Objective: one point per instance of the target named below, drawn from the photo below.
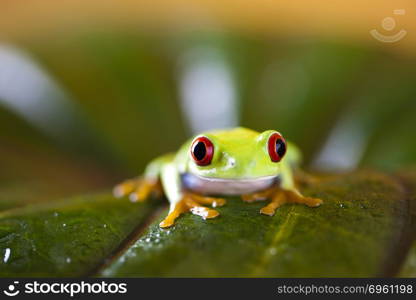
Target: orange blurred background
(20, 20)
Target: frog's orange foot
(280, 197)
(193, 203)
(296, 197)
(263, 195)
(214, 202)
(138, 189)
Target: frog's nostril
(229, 161)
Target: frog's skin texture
(240, 164)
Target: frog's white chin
(221, 186)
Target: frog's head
(241, 156)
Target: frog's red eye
(276, 147)
(202, 151)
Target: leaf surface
(353, 233)
(66, 238)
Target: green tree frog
(239, 161)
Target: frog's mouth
(221, 186)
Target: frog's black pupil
(280, 147)
(200, 151)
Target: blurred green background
(83, 106)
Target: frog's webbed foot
(138, 189)
(296, 197)
(193, 203)
(214, 202)
(280, 197)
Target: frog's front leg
(287, 192)
(192, 203)
(294, 196)
(278, 199)
(281, 196)
(203, 200)
(182, 201)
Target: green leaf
(66, 238)
(352, 234)
(408, 269)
